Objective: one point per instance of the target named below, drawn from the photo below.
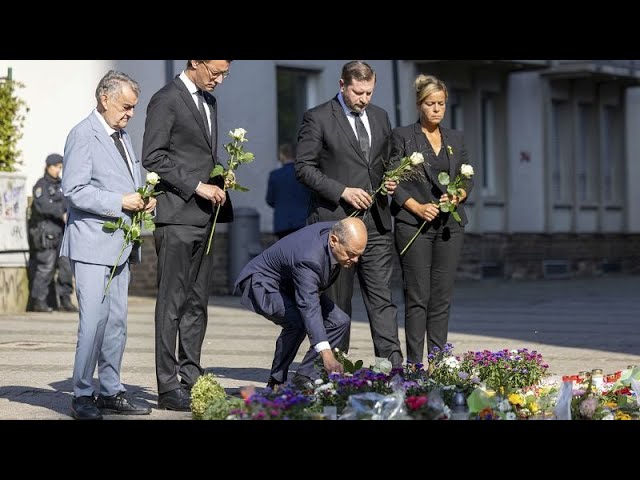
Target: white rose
(153, 178)
(416, 158)
(238, 134)
(466, 170)
(451, 362)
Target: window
(456, 113)
(612, 161)
(295, 90)
(560, 152)
(488, 145)
(586, 154)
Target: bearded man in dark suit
(343, 152)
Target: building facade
(552, 142)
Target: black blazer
(409, 139)
(298, 266)
(329, 159)
(177, 146)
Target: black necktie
(363, 136)
(202, 112)
(120, 147)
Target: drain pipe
(396, 91)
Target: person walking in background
(285, 283)
(180, 144)
(101, 175)
(46, 225)
(343, 149)
(286, 195)
(429, 265)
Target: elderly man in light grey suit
(101, 175)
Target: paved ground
(577, 324)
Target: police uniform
(46, 227)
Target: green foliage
(219, 408)
(12, 116)
(206, 391)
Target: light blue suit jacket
(94, 179)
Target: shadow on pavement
(59, 399)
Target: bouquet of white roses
(404, 171)
(133, 231)
(237, 156)
(453, 188)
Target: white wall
(632, 204)
(150, 75)
(59, 93)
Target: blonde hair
(425, 85)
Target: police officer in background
(46, 226)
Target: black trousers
(43, 265)
(428, 274)
(374, 270)
(184, 273)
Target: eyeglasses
(215, 75)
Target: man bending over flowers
(285, 284)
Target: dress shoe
(66, 305)
(121, 404)
(40, 306)
(274, 385)
(177, 400)
(302, 382)
(84, 408)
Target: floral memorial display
(482, 385)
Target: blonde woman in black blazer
(429, 265)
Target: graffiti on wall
(13, 212)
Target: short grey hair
(340, 230)
(111, 85)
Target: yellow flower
(620, 415)
(516, 399)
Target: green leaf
(246, 157)
(348, 365)
(452, 190)
(110, 226)
(358, 365)
(445, 207)
(443, 178)
(456, 215)
(217, 170)
(239, 188)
